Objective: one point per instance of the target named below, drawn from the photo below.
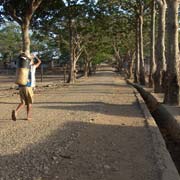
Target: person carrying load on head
(25, 78)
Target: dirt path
(93, 130)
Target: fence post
(42, 71)
(65, 68)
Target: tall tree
(116, 26)
(75, 10)
(21, 12)
(152, 56)
(141, 51)
(160, 47)
(172, 91)
(138, 8)
(137, 60)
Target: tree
(137, 61)
(75, 10)
(160, 47)
(21, 12)
(91, 44)
(172, 90)
(141, 51)
(64, 25)
(138, 8)
(117, 27)
(152, 56)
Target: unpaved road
(93, 130)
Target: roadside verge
(165, 163)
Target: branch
(13, 14)
(32, 8)
(164, 1)
(79, 53)
(116, 49)
(158, 1)
(88, 59)
(161, 2)
(35, 4)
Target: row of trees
(164, 76)
(60, 28)
(90, 31)
(164, 59)
(156, 24)
(155, 33)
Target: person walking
(26, 91)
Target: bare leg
(20, 106)
(29, 107)
(14, 112)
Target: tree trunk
(24, 22)
(75, 68)
(152, 56)
(141, 53)
(136, 71)
(86, 68)
(25, 36)
(71, 77)
(130, 65)
(172, 88)
(89, 68)
(118, 58)
(86, 63)
(160, 49)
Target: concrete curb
(165, 163)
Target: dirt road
(92, 130)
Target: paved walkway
(92, 130)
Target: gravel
(92, 130)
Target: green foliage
(99, 26)
(101, 57)
(10, 40)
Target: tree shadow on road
(129, 110)
(101, 85)
(106, 152)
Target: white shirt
(31, 77)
